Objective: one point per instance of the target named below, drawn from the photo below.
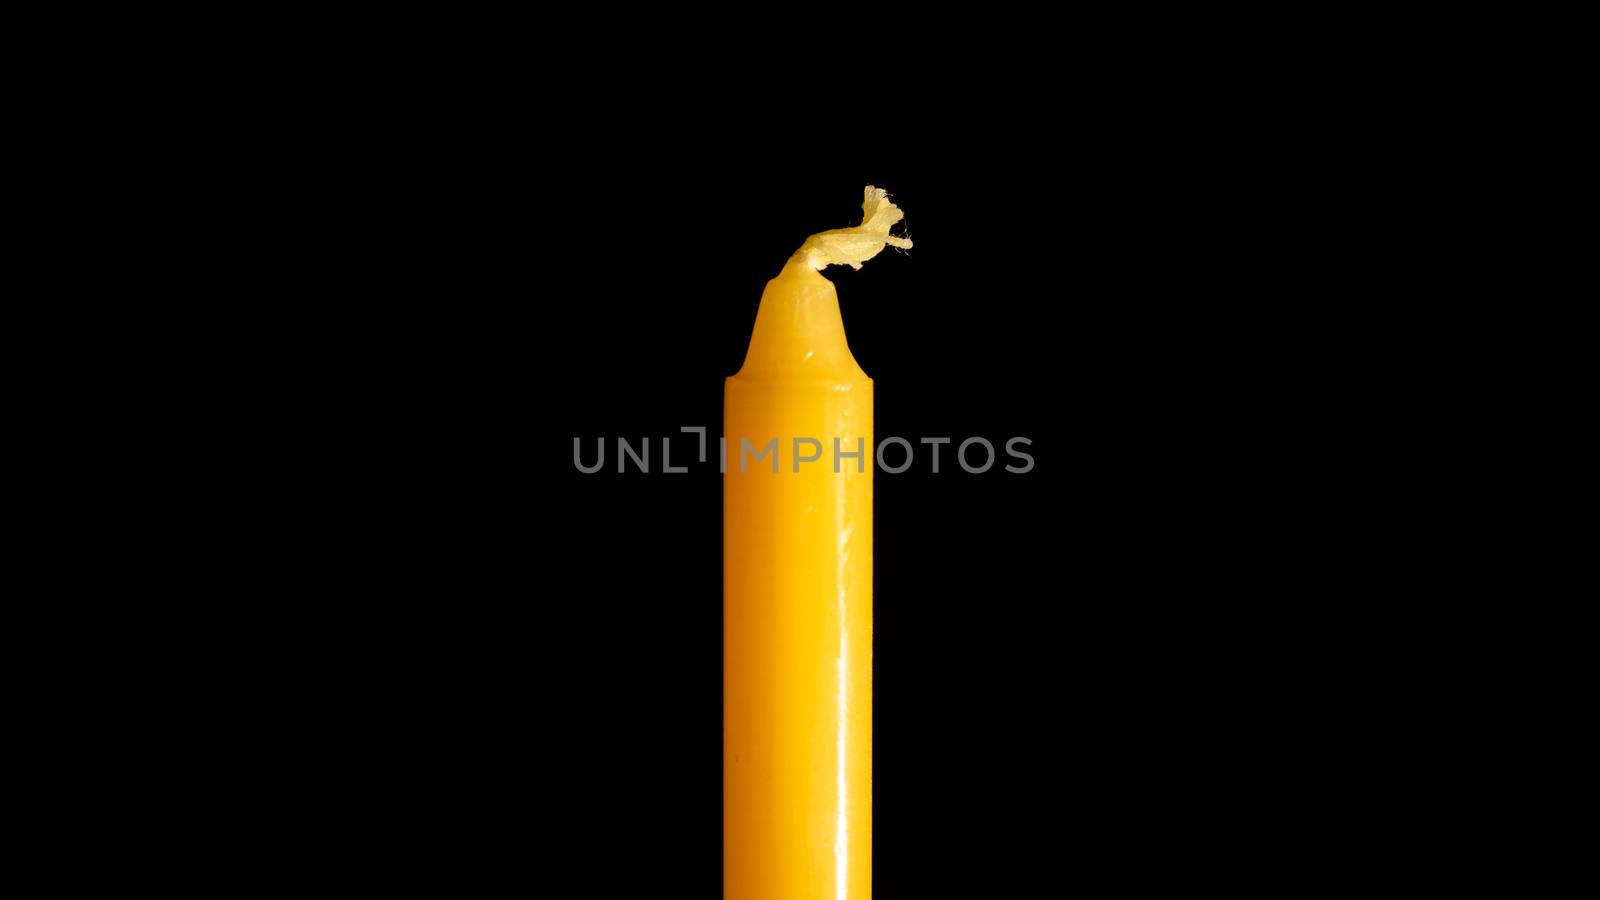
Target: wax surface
(797, 720)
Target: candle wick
(854, 246)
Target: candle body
(797, 655)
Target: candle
(797, 573)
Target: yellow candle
(797, 573)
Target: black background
(364, 287)
(338, 297)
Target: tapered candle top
(799, 334)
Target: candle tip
(854, 246)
